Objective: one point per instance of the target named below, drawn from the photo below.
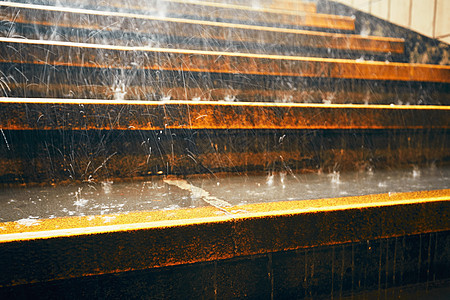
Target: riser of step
(216, 11)
(37, 68)
(123, 155)
(117, 85)
(78, 25)
(59, 114)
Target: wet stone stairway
(56, 57)
(97, 54)
(164, 93)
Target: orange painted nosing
(12, 100)
(58, 227)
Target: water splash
(416, 172)
(335, 177)
(30, 221)
(329, 98)
(108, 219)
(229, 98)
(166, 97)
(282, 179)
(107, 187)
(269, 179)
(382, 184)
(119, 91)
(79, 202)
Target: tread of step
(63, 53)
(184, 33)
(189, 74)
(216, 11)
(117, 140)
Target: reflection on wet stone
(29, 204)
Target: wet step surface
(26, 206)
(48, 140)
(77, 70)
(218, 12)
(115, 28)
(263, 224)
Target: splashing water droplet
(269, 179)
(107, 186)
(416, 172)
(335, 177)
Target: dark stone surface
(140, 39)
(257, 255)
(358, 268)
(44, 260)
(397, 267)
(200, 12)
(59, 156)
(418, 48)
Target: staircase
(116, 51)
(69, 67)
(95, 92)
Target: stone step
(115, 28)
(76, 70)
(66, 114)
(216, 12)
(60, 140)
(204, 253)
